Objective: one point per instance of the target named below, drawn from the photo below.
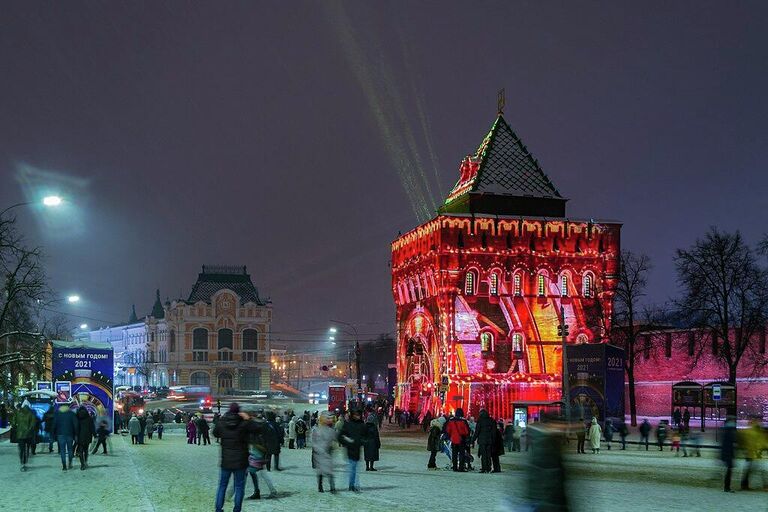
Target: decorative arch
(200, 378)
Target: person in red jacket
(457, 430)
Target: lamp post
(562, 330)
(357, 356)
(49, 201)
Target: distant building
(218, 337)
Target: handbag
(13, 435)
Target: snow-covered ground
(170, 475)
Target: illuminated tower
(478, 289)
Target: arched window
(493, 283)
(540, 286)
(587, 285)
(200, 379)
(564, 285)
(517, 342)
(470, 279)
(200, 344)
(486, 341)
(518, 284)
(225, 344)
(172, 340)
(250, 345)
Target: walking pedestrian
(623, 433)
(645, 434)
(728, 450)
(257, 459)
(661, 434)
(233, 429)
(85, 432)
(143, 428)
(203, 431)
(134, 428)
(595, 433)
(292, 433)
(323, 444)
(65, 429)
(352, 436)
(273, 437)
(301, 433)
(608, 432)
(48, 427)
(160, 428)
(150, 426)
(498, 447)
(372, 442)
(581, 435)
(686, 418)
(517, 434)
(677, 418)
(23, 429)
(753, 441)
(101, 437)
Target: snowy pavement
(170, 475)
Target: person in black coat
(234, 430)
(352, 436)
(273, 438)
(202, 431)
(143, 426)
(85, 433)
(485, 436)
(728, 451)
(498, 447)
(372, 442)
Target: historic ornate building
(479, 288)
(217, 337)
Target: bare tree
(24, 292)
(724, 294)
(628, 322)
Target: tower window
(587, 292)
(486, 342)
(518, 285)
(517, 342)
(564, 285)
(469, 283)
(540, 285)
(494, 284)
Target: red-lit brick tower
(478, 289)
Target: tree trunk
(632, 398)
(732, 380)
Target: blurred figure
(595, 435)
(372, 442)
(623, 433)
(85, 433)
(101, 437)
(676, 418)
(65, 430)
(645, 434)
(191, 431)
(727, 450)
(458, 432)
(273, 437)
(323, 444)
(545, 472)
(352, 436)
(608, 432)
(686, 418)
(160, 429)
(484, 435)
(134, 427)
(661, 434)
(581, 435)
(150, 426)
(498, 447)
(753, 442)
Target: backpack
(300, 428)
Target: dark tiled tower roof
(218, 277)
(503, 177)
(157, 309)
(133, 318)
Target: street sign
(716, 392)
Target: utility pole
(562, 331)
(357, 367)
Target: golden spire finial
(501, 101)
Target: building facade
(479, 289)
(218, 337)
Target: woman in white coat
(292, 433)
(595, 433)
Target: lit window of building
(540, 285)
(494, 284)
(469, 283)
(518, 284)
(486, 341)
(564, 285)
(587, 285)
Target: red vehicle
(337, 397)
(131, 402)
(200, 394)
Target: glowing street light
(332, 330)
(83, 326)
(73, 299)
(52, 200)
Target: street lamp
(357, 354)
(49, 201)
(73, 299)
(83, 326)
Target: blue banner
(90, 373)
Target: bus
(129, 402)
(200, 394)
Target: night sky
(298, 138)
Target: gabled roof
(219, 277)
(503, 166)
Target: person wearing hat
(353, 436)
(323, 444)
(65, 430)
(234, 430)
